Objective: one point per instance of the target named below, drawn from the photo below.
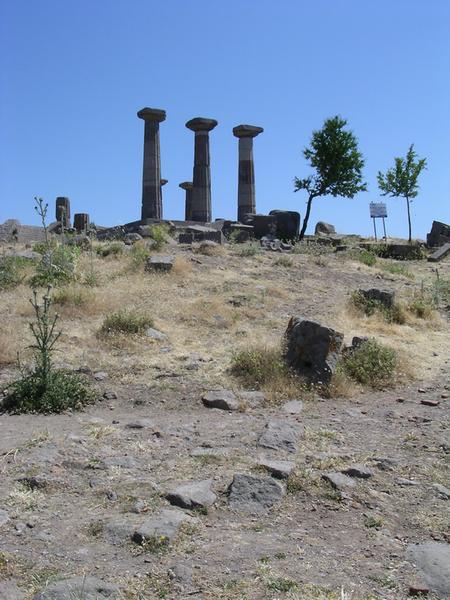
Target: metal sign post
(378, 210)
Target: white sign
(378, 210)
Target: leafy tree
(337, 162)
(401, 180)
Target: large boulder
(312, 349)
(287, 224)
(439, 235)
(263, 225)
(323, 228)
(432, 559)
(252, 493)
(194, 494)
(385, 298)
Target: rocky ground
(153, 492)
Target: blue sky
(74, 73)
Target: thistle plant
(44, 333)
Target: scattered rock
(180, 573)
(323, 228)
(279, 435)
(88, 588)
(100, 376)
(405, 482)
(163, 527)
(432, 559)
(442, 490)
(338, 480)
(252, 493)
(293, 407)
(281, 469)
(195, 494)
(160, 263)
(154, 334)
(418, 589)
(223, 399)
(139, 424)
(358, 471)
(312, 349)
(427, 402)
(125, 462)
(385, 464)
(384, 297)
(110, 395)
(252, 399)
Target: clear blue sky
(73, 73)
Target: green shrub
(139, 254)
(397, 269)
(367, 258)
(61, 390)
(159, 235)
(258, 366)
(247, 249)
(370, 364)
(422, 307)
(57, 267)
(113, 249)
(11, 271)
(71, 297)
(125, 322)
(369, 306)
(46, 389)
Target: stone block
(439, 235)
(160, 263)
(323, 228)
(287, 224)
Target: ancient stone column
(163, 183)
(63, 211)
(246, 177)
(201, 183)
(151, 175)
(81, 222)
(187, 185)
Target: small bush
(11, 271)
(57, 267)
(367, 258)
(159, 235)
(114, 249)
(371, 364)
(284, 261)
(71, 297)
(257, 366)
(397, 269)
(312, 248)
(422, 307)
(248, 249)
(139, 254)
(61, 390)
(369, 306)
(125, 322)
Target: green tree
(338, 165)
(401, 180)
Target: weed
(371, 364)
(156, 544)
(422, 307)
(125, 322)
(159, 235)
(370, 306)
(366, 258)
(57, 267)
(114, 249)
(397, 269)
(11, 271)
(248, 249)
(283, 261)
(95, 528)
(70, 296)
(373, 522)
(259, 365)
(139, 254)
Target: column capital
(251, 131)
(201, 124)
(156, 115)
(186, 185)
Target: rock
(4, 517)
(252, 399)
(160, 263)
(338, 480)
(252, 493)
(100, 376)
(312, 349)
(10, 591)
(154, 334)
(383, 297)
(180, 573)
(293, 407)
(131, 238)
(139, 424)
(428, 402)
(110, 395)
(281, 469)
(385, 464)
(162, 527)
(279, 435)
(125, 462)
(432, 559)
(87, 588)
(442, 490)
(439, 235)
(358, 471)
(194, 494)
(440, 253)
(287, 223)
(117, 530)
(223, 399)
(323, 228)
(138, 506)
(405, 482)
(37, 482)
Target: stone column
(187, 185)
(201, 183)
(246, 178)
(151, 176)
(163, 183)
(81, 222)
(62, 212)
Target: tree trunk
(409, 220)
(306, 219)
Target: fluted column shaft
(246, 171)
(151, 172)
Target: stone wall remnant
(201, 181)
(246, 172)
(151, 174)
